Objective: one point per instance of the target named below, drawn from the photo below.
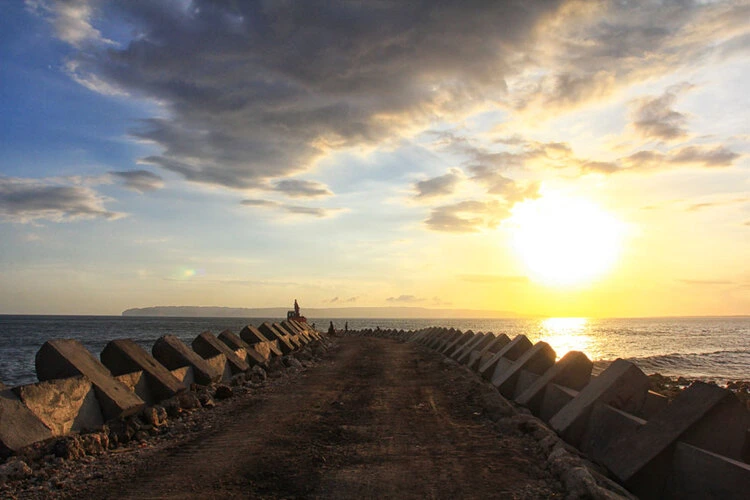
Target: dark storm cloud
(259, 90)
(140, 180)
(27, 200)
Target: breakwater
(132, 390)
(693, 446)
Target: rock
(189, 400)
(155, 416)
(223, 392)
(206, 400)
(258, 374)
(94, 443)
(238, 380)
(141, 436)
(15, 469)
(68, 448)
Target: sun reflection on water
(567, 334)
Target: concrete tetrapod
(64, 405)
(475, 358)
(208, 346)
(459, 351)
(173, 353)
(537, 360)
(465, 355)
(19, 427)
(63, 358)
(123, 356)
(573, 370)
(450, 347)
(511, 351)
(622, 385)
(296, 340)
(702, 415)
(252, 336)
(257, 354)
(285, 343)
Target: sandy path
(380, 419)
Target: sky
(550, 158)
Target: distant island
(337, 312)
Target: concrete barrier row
(77, 392)
(695, 446)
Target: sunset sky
(553, 158)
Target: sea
(703, 348)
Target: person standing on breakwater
(346, 327)
(331, 329)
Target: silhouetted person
(296, 309)
(346, 327)
(331, 329)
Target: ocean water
(708, 348)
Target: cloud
(256, 91)
(654, 118)
(405, 298)
(71, 20)
(26, 200)
(438, 186)
(493, 279)
(468, 216)
(333, 300)
(140, 180)
(352, 299)
(292, 209)
(302, 189)
(700, 206)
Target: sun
(565, 241)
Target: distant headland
(336, 312)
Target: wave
(733, 364)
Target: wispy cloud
(292, 209)
(405, 298)
(468, 216)
(705, 282)
(140, 180)
(438, 186)
(26, 200)
(654, 118)
(296, 188)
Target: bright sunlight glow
(565, 241)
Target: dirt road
(378, 419)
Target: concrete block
(477, 357)
(208, 346)
(253, 355)
(480, 344)
(460, 350)
(537, 360)
(525, 380)
(292, 330)
(554, 399)
(572, 370)
(294, 338)
(622, 385)
(173, 353)
(605, 426)
(456, 344)
(220, 364)
(448, 337)
(138, 383)
(698, 473)
(252, 336)
(654, 403)
(702, 415)
(184, 375)
(64, 358)
(511, 351)
(19, 426)
(285, 343)
(125, 356)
